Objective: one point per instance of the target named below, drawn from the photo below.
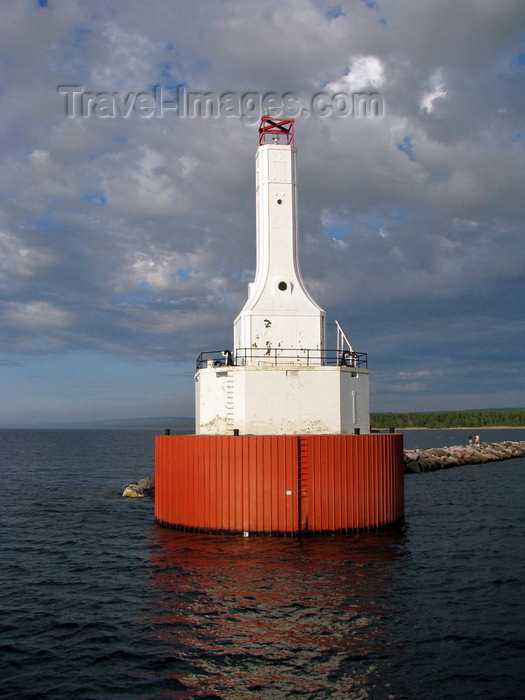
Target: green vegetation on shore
(450, 419)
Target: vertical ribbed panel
(356, 482)
(227, 483)
(279, 484)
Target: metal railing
(303, 357)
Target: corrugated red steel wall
(226, 483)
(354, 482)
(279, 484)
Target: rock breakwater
(426, 460)
(143, 487)
(416, 460)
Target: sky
(127, 224)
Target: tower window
(282, 286)
(279, 201)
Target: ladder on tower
(230, 404)
(303, 475)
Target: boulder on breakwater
(143, 487)
(426, 460)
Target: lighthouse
(281, 378)
(282, 442)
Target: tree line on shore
(449, 419)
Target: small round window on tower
(279, 201)
(282, 286)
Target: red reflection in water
(263, 617)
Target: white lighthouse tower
(283, 443)
(281, 379)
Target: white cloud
(124, 59)
(37, 315)
(39, 157)
(145, 186)
(18, 260)
(365, 73)
(435, 91)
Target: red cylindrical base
(279, 485)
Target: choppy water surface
(97, 601)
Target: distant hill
(178, 425)
(160, 423)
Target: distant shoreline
(176, 430)
(484, 427)
(187, 425)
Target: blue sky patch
(131, 299)
(184, 274)
(44, 223)
(97, 199)
(339, 231)
(406, 147)
(334, 12)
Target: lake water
(97, 601)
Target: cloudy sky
(127, 229)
